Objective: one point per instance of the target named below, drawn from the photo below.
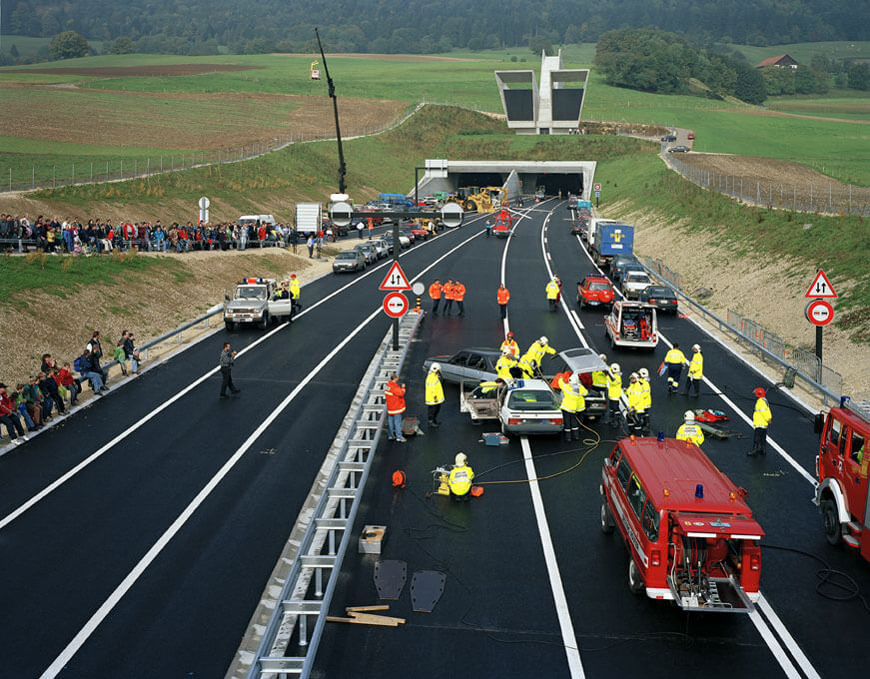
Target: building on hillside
(780, 61)
(551, 107)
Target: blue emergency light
(699, 491)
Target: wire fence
(57, 175)
(827, 198)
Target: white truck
(309, 218)
(252, 303)
(632, 325)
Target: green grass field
(839, 149)
(845, 104)
(803, 52)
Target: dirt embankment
(140, 71)
(755, 287)
(150, 303)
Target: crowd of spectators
(57, 386)
(99, 236)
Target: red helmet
(399, 479)
(510, 334)
(759, 392)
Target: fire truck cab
(689, 532)
(843, 493)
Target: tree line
(421, 26)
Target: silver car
(469, 365)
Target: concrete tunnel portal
(519, 177)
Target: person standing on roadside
(435, 291)
(395, 395)
(434, 393)
(459, 297)
(448, 296)
(96, 350)
(227, 360)
(310, 244)
(761, 418)
(696, 371)
(294, 239)
(295, 296)
(503, 296)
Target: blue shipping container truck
(395, 199)
(615, 239)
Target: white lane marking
(774, 646)
(569, 640)
(756, 617)
(577, 319)
(57, 483)
(575, 324)
(786, 636)
(507, 244)
(103, 611)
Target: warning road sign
(395, 279)
(821, 287)
(395, 305)
(819, 312)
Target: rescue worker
(573, 405)
(435, 295)
(434, 393)
(459, 297)
(761, 418)
(674, 360)
(503, 296)
(505, 365)
(460, 478)
(540, 348)
(447, 291)
(295, 295)
(395, 395)
(643, 381)
(525, 368)
(614, 395)
(510, 344)
(696, 371)
(636, 403)
(599, 377)
(690, 430)
(552, 291)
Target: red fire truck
(843, 493)
(504, 222)
(689, 532)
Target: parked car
(381, 248)
(669, 138)
(469, 365)
(678, 149)
(387, 243)
(690, 136)
(368, 251)
(349, 260)
(619, 261)
(632, 325)
(624, 267)
(407, 233)
(420, 233)
(661, 297)
(635, 282)
(594, 291)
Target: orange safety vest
(459, 292)
(435, 290)
(563, 376)
(503, 295)
(448, 290)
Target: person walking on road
(295, 296)
(435, 291)
(761, 418)
(448, 296)
(674, 361)
(434, 393)
(552, 291)
(395, 395)
(690, 430)
(696, 371)
(488, 227)
(228, 357)
(503, 296)
(459, 297)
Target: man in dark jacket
(48, 386)
(226, 363)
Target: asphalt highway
(137, 537)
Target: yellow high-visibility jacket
(762, 416)
(434, 390)
(636, 397)
(459, 479)
(675, 356)
(552, 290)
(614, 387)
(690, 432)
(647, 393)
(503, 367)
(696, 366)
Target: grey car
(381, 248)
(368, 251)
(469, 365)
(349, 260)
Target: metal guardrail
(827, 382)
(357, 442)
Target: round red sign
(819, 312)
(395, 305)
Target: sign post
(203, 209)
(395, 303)
(597, 189)
(819, 312)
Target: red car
(420, 233)
(690, 136)
(594, 291)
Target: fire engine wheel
(606, 519)
(833, 530)
(635, 582)
(264, 323)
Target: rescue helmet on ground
(435, 368)
(615, 369)
(644, 373)
(696, 347)
(689, 416)
(543, 340)
(461, 459)
(759, 392)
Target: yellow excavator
(486, 199)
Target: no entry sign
(819, 312)
(395, 305)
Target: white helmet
(575, 381)
(633, 377)
(543, 340)
(603, 357)
(461, 459)
(615, 369)
(435, 367)
(696, 347)
(689, 416)
(644, 373)
(507, 352)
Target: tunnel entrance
(557, 182)
(479, 179)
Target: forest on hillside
(417, 26)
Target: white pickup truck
(252, 303)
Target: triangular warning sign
(821, 287)
(395, 279)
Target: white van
(265, 220)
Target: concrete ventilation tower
(554, 107)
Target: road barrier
(322, 534)
(807, 367)
(809, 197)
